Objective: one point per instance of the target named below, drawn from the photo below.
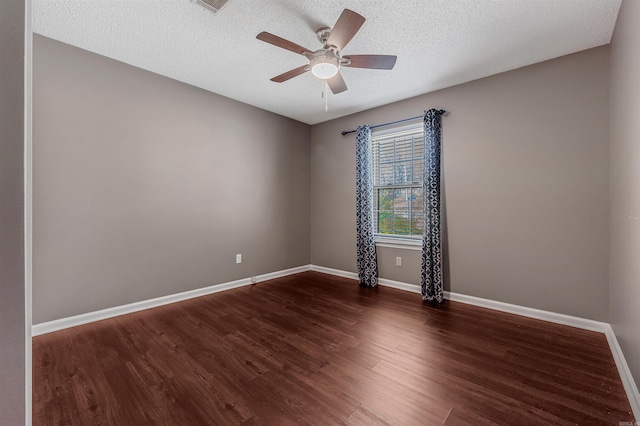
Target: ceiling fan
(325, 63)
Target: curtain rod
(344, 132)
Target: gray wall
(526, 182)
(144, 186)
(625, 184)
(12, 283)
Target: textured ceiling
(439, 43)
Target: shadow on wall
(444, 237)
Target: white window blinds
(398, 161)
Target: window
(398, 161)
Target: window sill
(398, 243)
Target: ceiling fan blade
(377, 62)
(345, 28)
(290, 74)
(280, 42)
(337, 84)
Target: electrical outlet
(238, 258)
(398, 261)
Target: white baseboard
(625, 374)
(525, 311)
(283, 273)
(412, 288)
(354, 276)
(623, 369)
(55, 325)
(336, 272)
(554, 317)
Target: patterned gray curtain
(431, 274)
(367, 263)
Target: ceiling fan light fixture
(324, 70)
(325, 65)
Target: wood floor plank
(393, 400)
(461, 418)
(312, 348)
(363, 416)
(517, 376)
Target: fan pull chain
(326, 98)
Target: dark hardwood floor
(315, 349)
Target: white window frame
(391, 240)
(407, 243)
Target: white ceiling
(439, 43)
